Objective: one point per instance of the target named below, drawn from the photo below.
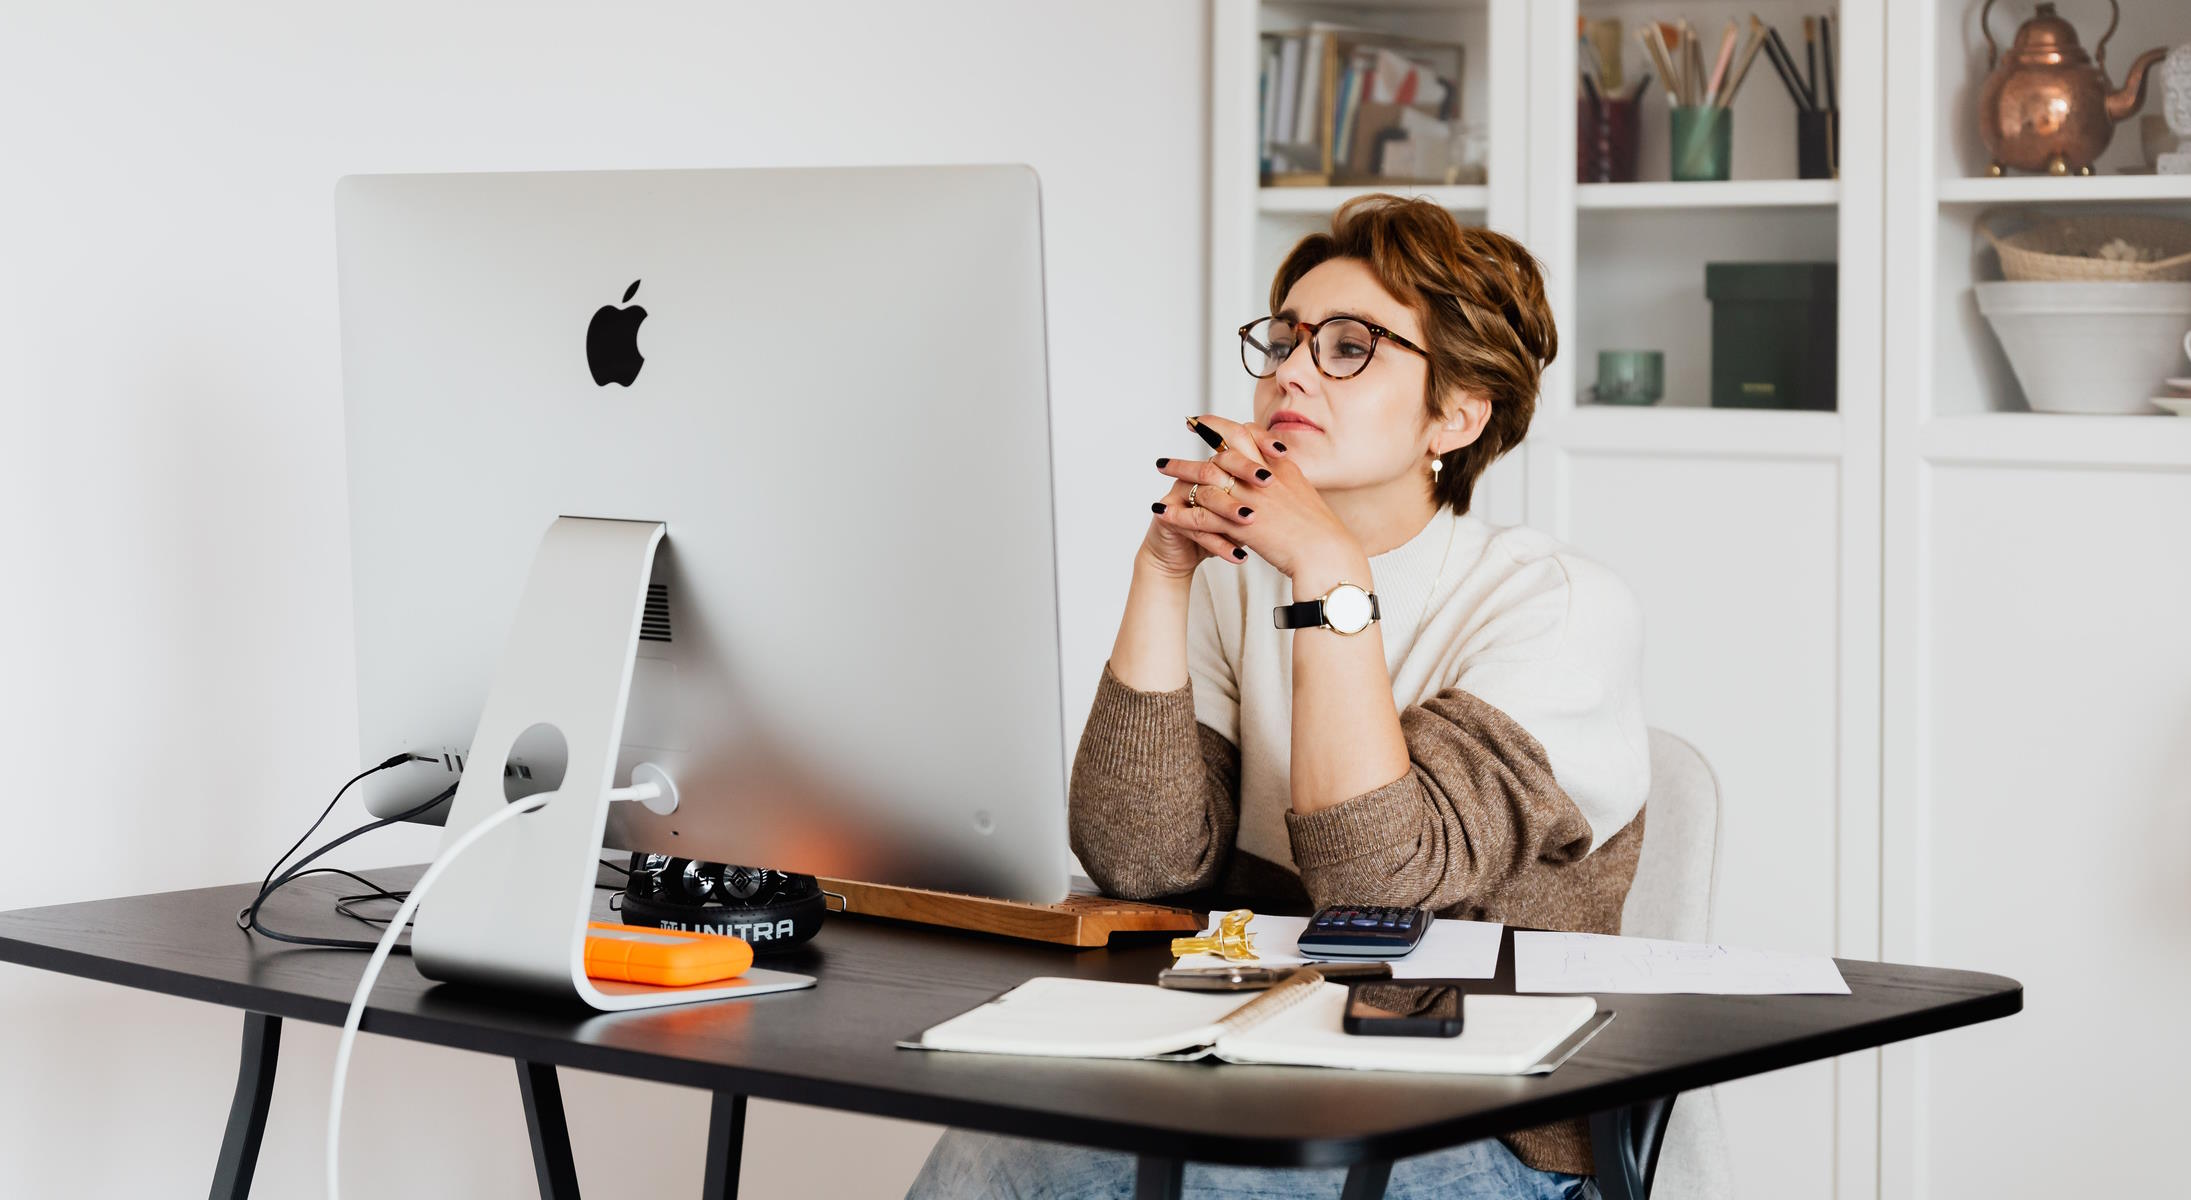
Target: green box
(1773, 334)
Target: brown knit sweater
(1477, 828)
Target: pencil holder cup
(1630, 377)
(1817, 143)
(1703, 142)
(1607, 133)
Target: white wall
(174, 629)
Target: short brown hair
(1486, 322)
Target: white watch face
(1346, 608)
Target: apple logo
(612, 342)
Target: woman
(1477, 747)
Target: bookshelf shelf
(2057, 440)
(1464, 198)
(2067, 189)
(1696, 431)
(1737, 193)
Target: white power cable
(380, 955)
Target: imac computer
(718, 505)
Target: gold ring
(1227, 485)
(1190, 495)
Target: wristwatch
(1344, 609)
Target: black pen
(1784, 64)
(1810, 58)
(1208, 433)
(1825, 54)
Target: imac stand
(511, 913)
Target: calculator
(1364, 931)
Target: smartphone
(1403, 1010)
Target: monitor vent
(654, 623)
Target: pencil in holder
(1818, 143)
(1702, 145)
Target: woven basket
(2064, 248)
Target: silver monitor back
(840, 410)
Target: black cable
(248, 917)
(395, 760)
(343, 903)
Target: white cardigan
(1509, 615)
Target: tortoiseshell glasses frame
(1256, 344)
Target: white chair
(1676, 876)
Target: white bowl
(2089, 347)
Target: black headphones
(772, 911)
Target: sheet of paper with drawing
(1451, 950)
(1595, 962)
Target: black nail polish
(1279, 447)
(1239, 551)
(1160, 463)
(1262, 473)
(1157, 507)
(1247, 512)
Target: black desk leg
(247, 1112)
(726, 1146)
(1625, 1143)
(551, 1134)
(1158, 1178)
(1366, 1181)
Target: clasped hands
(1271, 507)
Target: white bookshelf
(1906, 633)
(1645, 487)
(2047, 540)
(1940, 187)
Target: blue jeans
(966, 1165)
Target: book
(1289, 86)
(1269, 98)
(1309, 120)
(1296, 1023)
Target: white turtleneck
(1507, 614)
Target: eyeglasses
(1347, 341)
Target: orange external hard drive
(663, 957)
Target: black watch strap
(1308, 614)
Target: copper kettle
(2046, 106)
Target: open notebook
(1295, 1023)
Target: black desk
(830, 1046)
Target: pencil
(1784, 63)
(1719, 65)
(1810, 58)
(1669, 36)
(1655, 47)
(1825, 54)
(1742, 66)
(1695, 69)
